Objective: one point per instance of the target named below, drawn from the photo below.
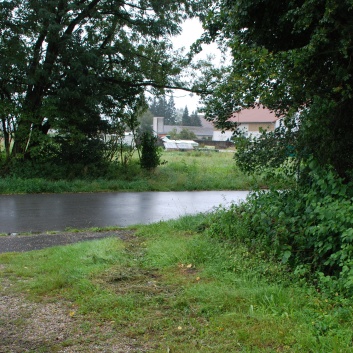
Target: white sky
(192, 30)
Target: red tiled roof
(254, 115)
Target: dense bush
(150, 152)
(63, 157)
(309, 228)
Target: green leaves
(271, 151)
(78, 66)
(150, 153)
(308, 228)
(291, 57)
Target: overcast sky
(192, 30)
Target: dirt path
(47, 326)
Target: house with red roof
(249, 121)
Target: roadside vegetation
(304, 77)
(180, 286)
(195, 170)
(273, 274)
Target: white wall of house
(227, 135)
(222, 136)
(128, 139)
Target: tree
(290, 56)
(165, 108)
(80, 67)
(150, 154)
(146, 121)
(185, 120)
(160, 107)
(190, 120)
(186, 134)
(170, 114)
(195, 119)
(173, 134)
(153, 106)
(12, 70)
(179, 115)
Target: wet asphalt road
(57, 212)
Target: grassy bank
(173, 288)
(182, 171)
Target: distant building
(204, 132)
(249, 122)
(158, 125)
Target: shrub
(150, 153)
(309, 227)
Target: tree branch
(80, 17)
(154, 84)
(110, 34)
(138, 7)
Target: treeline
(165, 107)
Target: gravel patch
(21, 243)
(27, 326)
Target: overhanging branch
(154, 84)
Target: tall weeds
(309, 228)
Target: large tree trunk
(6, 137)
(25, 136)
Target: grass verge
(183, 171)
(172, 288)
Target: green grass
(183, 171)
(173, 288)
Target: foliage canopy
(74, 69)
(293, 57)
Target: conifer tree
(186, 118)
(165, 108)
(195, 119)
(170, 114)
(161, 107)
